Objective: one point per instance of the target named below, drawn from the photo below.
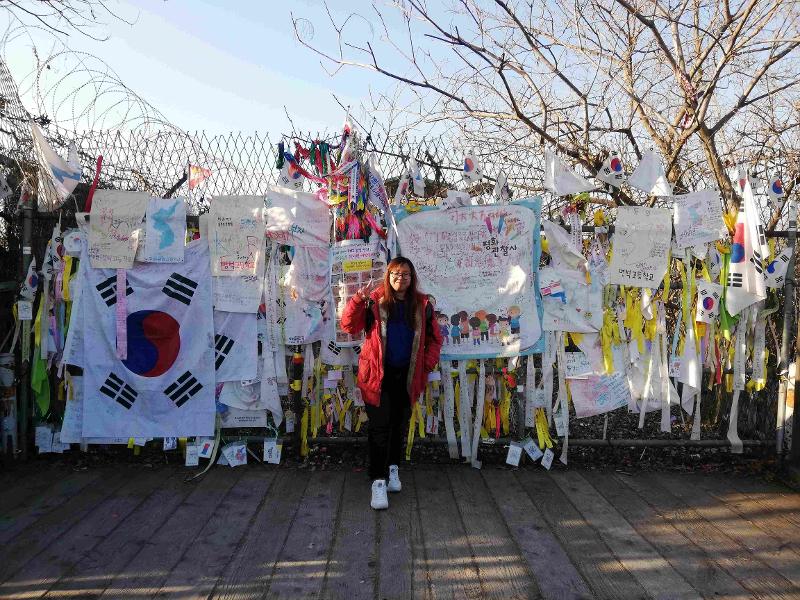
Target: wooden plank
(395, 552)
(202, 564)
(248, 573)
(556, 576)
(450, 565)
(635, 553)
(23, 486)
(752, 574)
(604, 574)
(22, 518)
(97, 569)
(771, 516)
(421, 579)
(36, 576)
(774, 498)
(352, 572)
(46, 530)
(502, 569)
(686, 558)
(303, 560)
(146, 572)
(759, 544)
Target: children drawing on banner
(455, 329)
(401, 346)
(444, 327)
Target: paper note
(44, 439)
(698, 218)
(205, 447)
(576, 365)
(434, 376)
(234, 418)
(272, 451)
(531, 449)
(235, 453)
(641, 246)
(72, 424)
(514, 454)
(114, 228)
(288, 417)
(561, 425)
(170, 443)
(236, 231)
(547, 459)
(192, 455)
(165, 228)
(25, 310)
(599, 394)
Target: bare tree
(64, 17)
(708, 84)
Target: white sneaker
(379, 498)
(394, 484)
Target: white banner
(297, 218)
(477, 263)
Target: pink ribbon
(122, 316)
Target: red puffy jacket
(424, 350)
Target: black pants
(387, 423)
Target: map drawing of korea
(161, 225)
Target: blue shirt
(399, 337)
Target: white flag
(650, 177)
(502, 193)
(416, 178)
(612, 171)
(746, 284)
(64, 176)
(561, 180)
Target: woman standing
(401, 347)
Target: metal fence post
(786, 334)
(24, 389)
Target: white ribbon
(479, 402)
(465, 417)
(449, 401)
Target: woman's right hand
(364, 292)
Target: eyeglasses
(400, 275)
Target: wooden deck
(453, 532)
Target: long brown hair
(411, 293)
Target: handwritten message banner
(297, 218)
(698, 218)
(478, 264)
(641, 246)
(236, 235)
(598, 394)
(353, 265)
(114, 228)
(165, 228)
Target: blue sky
(223, 66)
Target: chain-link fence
(246, 163)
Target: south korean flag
(708, 297)
(612, 171)
(165, 386)
(775, 273)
